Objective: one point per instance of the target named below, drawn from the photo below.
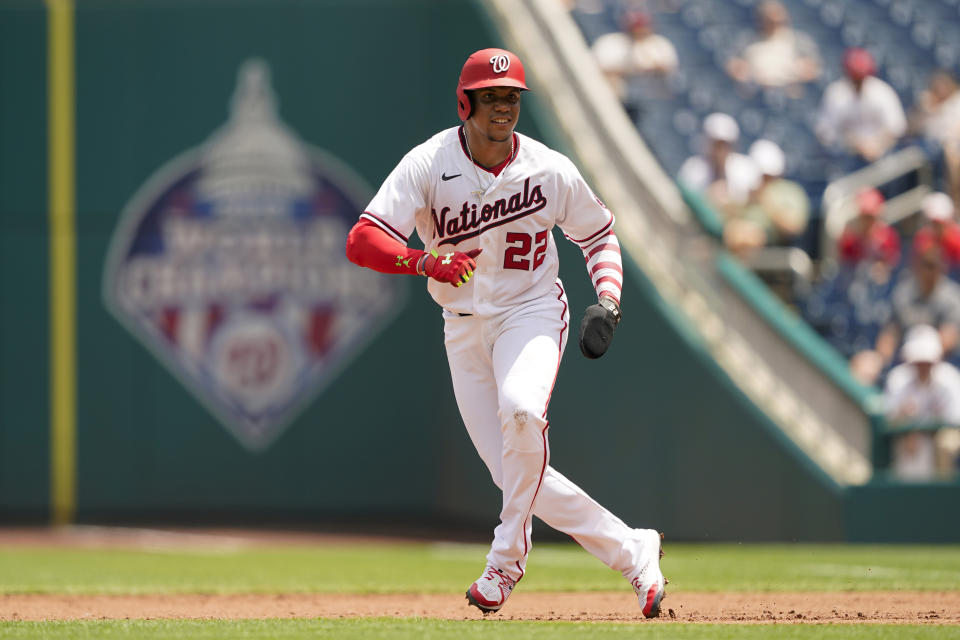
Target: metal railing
(839, 207)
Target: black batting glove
(596, 329)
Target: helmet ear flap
(463, 104)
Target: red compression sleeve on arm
(370, 246)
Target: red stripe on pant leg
(543, 469)
(560, 349)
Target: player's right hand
(453, 267)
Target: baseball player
(484, 199)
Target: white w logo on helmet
(500, 63)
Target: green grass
(444, 568)
(423, 629)
(447, 568)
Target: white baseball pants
(503, 369)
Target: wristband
(611, 305)
(421, 270)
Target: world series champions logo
(229, 265)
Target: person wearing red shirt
(867, 236)
(940, 229)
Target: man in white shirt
(637, 49)
(636, 61)
(923, 390)
(860, 113)
(776, 55)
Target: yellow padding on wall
(63, 295)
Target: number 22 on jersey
(516, 255)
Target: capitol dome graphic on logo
(229, 265)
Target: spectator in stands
(860, 116)
(777, 210)
(939, 230)
(726, 178)
(923, 391)
(935, 123)
(951, 160)
(636, 55)
(927, 296)
(867, 238)
(776, 55)
(782, 203)
(936, 114)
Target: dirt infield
(899, 607)
(885, 607)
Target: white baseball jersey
(457, 205)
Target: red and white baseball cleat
(649, 582)
(490, 590)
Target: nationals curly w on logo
(228, 264)
(500, 63)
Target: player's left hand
(453, 267)
(596, 330)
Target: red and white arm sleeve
(588, 223)
(604, 265)
(369, 245)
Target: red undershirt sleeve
(370, 246)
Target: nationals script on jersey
(457, 205)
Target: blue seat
(711, 90)
(722, 37)
(699, 13)
(594, 25)
(901, 13)
(947, 54)
(832, 13)
(924, 34)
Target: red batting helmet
(488, 68)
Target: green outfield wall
(275, 395)
(24, 291)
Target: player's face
(495, 112)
